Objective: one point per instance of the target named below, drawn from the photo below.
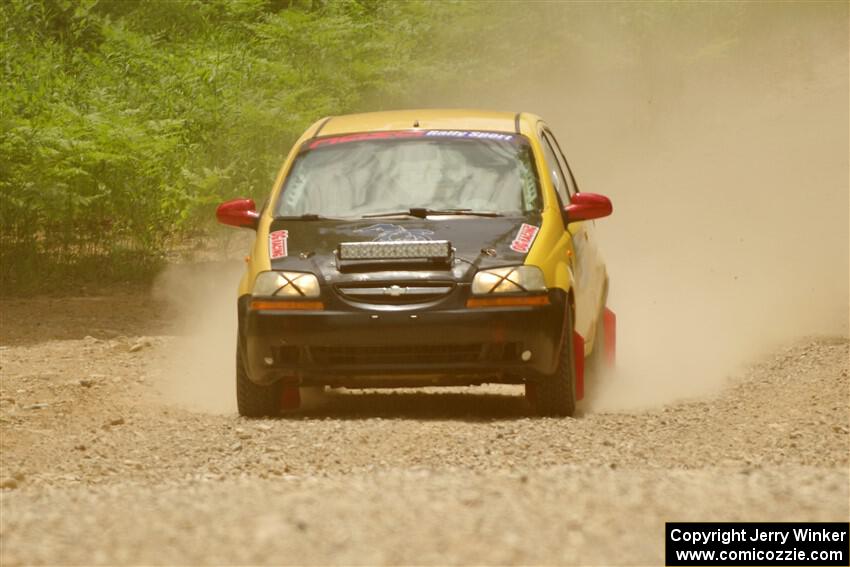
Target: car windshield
(392, 172)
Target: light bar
(399, 250)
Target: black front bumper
(441, 344)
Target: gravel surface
(96, 468)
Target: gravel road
(96, 468)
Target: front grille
(395, 294)
(406, 354)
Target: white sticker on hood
(277, 244)
(524, 238)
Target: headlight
(512, 279)
(286, 284)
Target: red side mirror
(588, 206)
(238, 212)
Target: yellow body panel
(428, 119)
(554, 251)
(552, 248)
(259, 258)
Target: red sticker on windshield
(383, 135)
(277, 244)
(524, 238)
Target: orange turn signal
(509, 301)
(287, 305)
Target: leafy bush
(123, 123)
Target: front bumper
(435, 345)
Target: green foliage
(123, 123)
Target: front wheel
(555, 394)
(255, 400)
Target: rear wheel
(555, 394)
(255, 400)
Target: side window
(554, 169)
(572, 186)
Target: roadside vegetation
(123, 123)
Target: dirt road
(98, 468)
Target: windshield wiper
(305, 217)
(421, 213)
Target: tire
(555, 394)
(255, 400)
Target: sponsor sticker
(524, 238)
(469, 134)
(277, 244)
(388, 135)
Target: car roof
(430, 119)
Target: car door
(589, 281)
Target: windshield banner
(405, 134)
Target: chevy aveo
(422, 248)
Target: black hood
(478, 242)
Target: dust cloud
(198, 369)
(720, 132)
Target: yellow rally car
(422, 248)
